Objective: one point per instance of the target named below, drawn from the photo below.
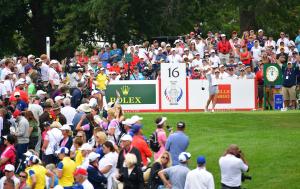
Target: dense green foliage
(269, 140)
(26, 23)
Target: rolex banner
(134, 95)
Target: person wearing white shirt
(256, 53)
(174, 58)
(6, 70)
(282, 39)
(232, 164)
(68, 111)
(199, 178)
(188, 54)
(270, 43)
(200, 45)
(214, 59)
(197, 62)
(223, 74)
(213, 81)
(54, 78)
(9, 170)
(9, 84)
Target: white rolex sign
(173, 86)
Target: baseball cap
(126, 137)
(30, 56)
(180, 124)
(93, 156)
(65, 127)
(80, 171)
(16, 113)
(212, 51)
(86, 146)
(185, 49)
(201, 160)
(54, 62)
(168, 45)
(184, 156)
(17, 94)
(223, 35)
(136, 118)
(9, 167)
(40, 92)
(173, 49)
(128, 122)
(62, 150)
(159, 48)
(34, 159)
(289, 62)
(260, 30)
(135, 128)
(57, 98)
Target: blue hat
(136, 128)
(62, 150)
(201, 160)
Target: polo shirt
(177, 143)
(68, 167)
(177, 175)
(139, 142)
(231, 170)
(101, 81)
(289, 75)
(40, 174)
(199, 178)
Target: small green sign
(272, 74)
(132, 93)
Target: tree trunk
(247, 17)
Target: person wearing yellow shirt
(65, 168)
(37, 174)
(101, 80)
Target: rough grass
(270, 141)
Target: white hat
(93, 156)
(84, 108)
(163, 119)
(17, 93)
(260, 30)
(173, 49)
(126, 137)
(62, 150)
(102, 68)
(168, 45)
(223, 35)
(128, 122)
(54, 62)
(291, 43)
(136, 118)
(212, 51)
(57, 98)
(185, 49)
(65, 127)
(30, 56)
(86, 146)
(58, 187)
(184, 156)
(28, 153)
(9, 167)
(93, 102)
(214, 66)
(159, 48)
(20, 82)
(94, 92)
(40, 92)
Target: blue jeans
(21, 149)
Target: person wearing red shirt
(19, 88)
(115, 67)
(139, 142)
(8, 156)
(260, 84)
(224, 49)
(245, 56)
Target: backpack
(153, 141)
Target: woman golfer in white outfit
(213, 78)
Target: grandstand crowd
(58, 131)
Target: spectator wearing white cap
(127, 147)
(65, 168)
(95, 177)
(54, 78)
(188, 53)
(19, 87)
(67, 140)
(197, 62)
(199, 178)
(176, 174)
(68, 111)
(174, 58)
(161, 135)
(85, 149)
(9, 171)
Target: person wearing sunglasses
(164, 161)
(9, 172)
(23, 176)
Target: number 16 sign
(173, 85)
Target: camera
(169, 128)
(245, 177)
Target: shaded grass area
(270, 141)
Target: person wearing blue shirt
(136, 75)
(115, 53)
(21, 105)
(250, 44)
(297, 41)
(177, 142)
(104, 56)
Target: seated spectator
(136, 75)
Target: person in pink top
(161, 135)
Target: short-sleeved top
(40, 173)
(114, 124)
(177, 175)
(35, 126)
(14, 178)
(10, 153)
(101, 81)
(109, 159)
(68, 167)
(53, 75)
(78, 158)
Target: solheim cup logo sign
(173, 93)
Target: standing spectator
(33, 129)
(245, 56)
(77, 95)
(232, 164)
(81, 179)
(8, 156)
(23, 177)
(46, 116)
(95, 177)
(59, 117)
(177, 142)
(136, 75)
(163, 162)
(7, 69)
(289, 74)
(176, 174)
(256, 53)
(22, 133)
(199, 178)
(131, 175)
(174, 58)
(224, 49)
(10, 174)
(67, 140)
(115, 53)
(161, 136)
(214, 59)
(139, 142)
(104, 55)
(54, 78)
(68, 111)
(283, 39)
(65, 168)
(297, 41)
(44, 67)
(249, 73)
(260, 38)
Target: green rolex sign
(272, 75)
(132, 93)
